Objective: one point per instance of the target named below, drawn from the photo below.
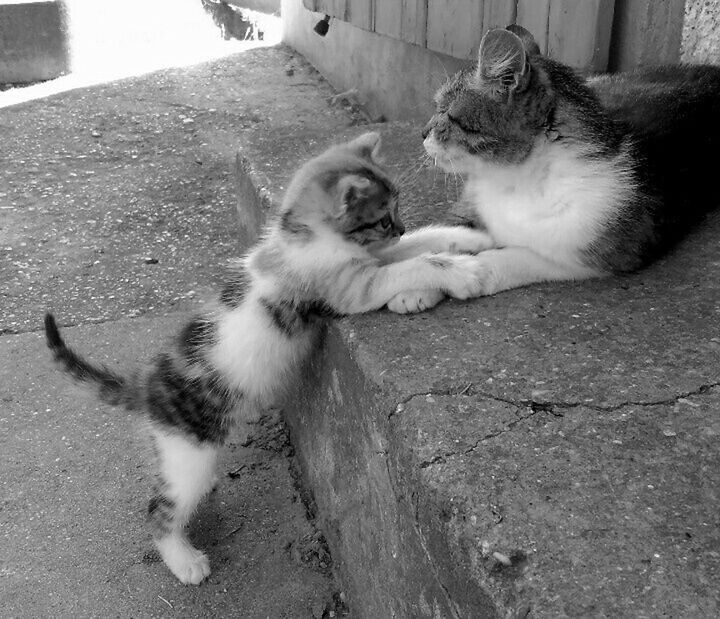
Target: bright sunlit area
(111, 40)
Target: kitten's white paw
(190, 565)
(412, 301)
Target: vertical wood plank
(454, 27)
(646, 33)
(498, 14)
(334, 8)
(389, 18)
(341, 9)
(534, 15)
(360, 13)
(414, 21)
(579, 33)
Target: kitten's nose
(427, 129)
(399, 229)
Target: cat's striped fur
(333, 250)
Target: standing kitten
(316, 262)
(572, 178)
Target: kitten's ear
(528, 40)
(502, 61)
(353, 191)
(367, 145)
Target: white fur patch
(188, 471)
(253, 355)
(555, 203)
(190, 565)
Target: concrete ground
(548, 452)
(118, 212)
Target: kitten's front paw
(190, 565)
(413, 301)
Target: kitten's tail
(113, 388)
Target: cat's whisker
(435, 173)
(410, 177)
(442, 66)
(409, 173)
(455, 176)
(419, 160)
(413, 172)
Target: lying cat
(333, 250)
(574, 178)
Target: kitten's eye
(386, 222)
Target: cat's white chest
(554, 203)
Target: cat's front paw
(472, 276)
(469, 241)
(413, 301)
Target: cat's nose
(427, 129)
(399, 229)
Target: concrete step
(551, 451)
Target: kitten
(332, 251)
(573, 178)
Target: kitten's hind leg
(187, 471)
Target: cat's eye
(463, 125)
(386, 222)
(458, 121)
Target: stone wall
(701, 32)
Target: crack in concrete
(441, 458)
(87, 323)
(400, 406)
(7, 332)
(551, 406)
(548, 408)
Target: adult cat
(573, 178)
(320, 259)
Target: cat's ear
(367, 145)
(502, 61)
(528, 40)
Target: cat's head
(344, 189)
(495, 111)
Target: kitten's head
(494, 111)
(346, 190)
